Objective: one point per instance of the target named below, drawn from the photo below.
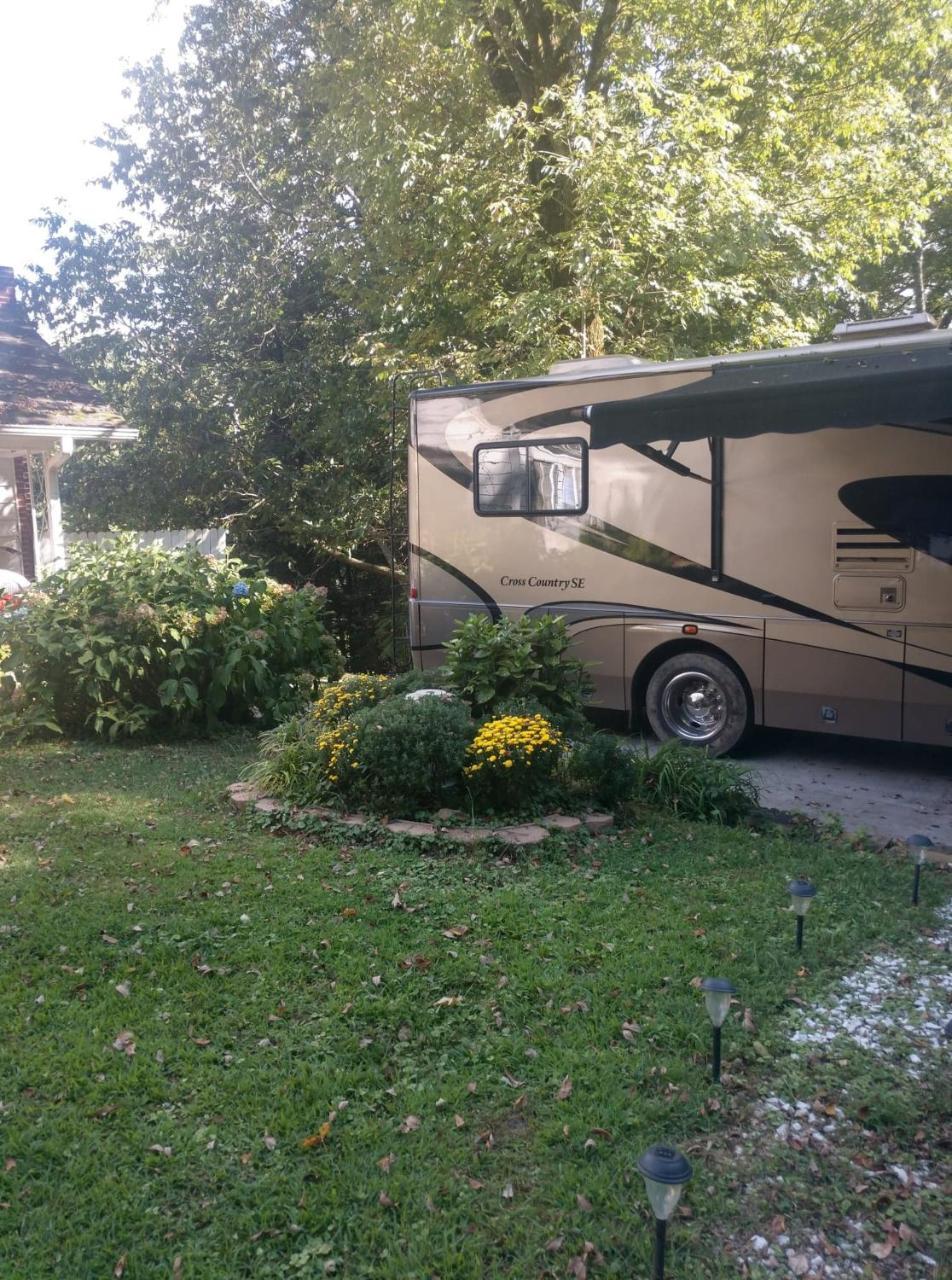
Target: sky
(61, 80)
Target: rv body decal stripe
(483, 596)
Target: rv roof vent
(894, 327)
(595, 364)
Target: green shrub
(129, 640)
(409, 754)
(512, 760)
(602, 770)
(693, 784)
(490, 663)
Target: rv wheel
(699, 699)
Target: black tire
(700, 700)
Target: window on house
(544, 477)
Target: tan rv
(760, 539)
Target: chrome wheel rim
(694, 706)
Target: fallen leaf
(109, 1109)
(749, 1024)
(376, 979)
(123, 988)
(269, 1142)
(119, 1270)
(507, 1191)
(348, 912)
(456, 931)
(9, 1164)
(245, 1157)
(696, 983)
(602, 1133)
(124, 1043)
(475, 1184)
(881, 1249)
(202, 1041)
(578, 1269)
(629, 1030)
(384, 1201)
(778, 1225)
(385, 1162)
(396, 901)
(564, 1089)
(107, 937)
(511, 1080)
(409, 1124)
(459, 1121)
(584, 1203)
(317, 1139)
(177, 1267)
(555, 1244)
(161, 1151)
(447, 1002)
(471, 1087)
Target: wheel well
(653, 660)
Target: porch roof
(43, 399)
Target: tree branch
(600, 40)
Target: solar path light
(918, 845)
(802, 893)
(717, 998)
(665, 1171)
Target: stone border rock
(242, 794)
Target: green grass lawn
(456, 1019)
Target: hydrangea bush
(129, 640)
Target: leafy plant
(693, 784)
(602, 770)
(489, 663)
(409, 754)
(127, 640)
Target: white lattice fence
(211, 542)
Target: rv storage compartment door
(832, 678)
(928, 700)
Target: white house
(46, 409)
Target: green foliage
(409, 754)
(490, 663)
(129, 640)
(691, 784)
(602, 769)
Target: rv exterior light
(717, 998)
(802, 893)
(665, 1171)
(918, 845)
(690, 629)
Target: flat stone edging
(242, 795)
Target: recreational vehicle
(761, 539)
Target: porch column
(54, 507)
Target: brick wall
(24, 496)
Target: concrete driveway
(888, 789)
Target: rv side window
(544, 477)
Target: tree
(323, 192)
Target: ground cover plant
(129, 640)
(231, 1055)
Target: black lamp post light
(802, 893)
(665, 1171)
(918, 845)
(717, 998)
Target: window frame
(526, 443)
